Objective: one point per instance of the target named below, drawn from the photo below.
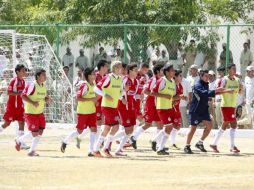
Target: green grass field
(143, 169)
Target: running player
(86, 111)
(35, 96)
(14, 106)
(228, 108)
(150, 112)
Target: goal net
(34, 51)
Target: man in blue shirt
(199, 110)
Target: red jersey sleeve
(83, 89)
(29, 90)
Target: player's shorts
(228, 114)
(35, 122)
(176, 116)
(196, 119)
(166, 116)
(111, 116)
(14, 115)
(86, 120)
(150, 114)
(127, 117)
(137, 104)
(98, 113)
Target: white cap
(114, 63)
(211, 72)
(194, 67)
(250, 68)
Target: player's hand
(35, 104)
(94, 100)
(230, 91)
(220, 89)
(108, 97)
(127, 87)
(183, 97)
(124, 101)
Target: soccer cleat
(90, 154)
(107, 153)
(175, 147)
(97, 154)
(63, 147)
(187, 150)
(234, 150)
(200, 147)
(154, 144)
(162, 152)
(120, 153)
(133, 142)
(24, 146)
(127, 145)
(18, 145)
(32, 153)
(214, 148)
(78, 142)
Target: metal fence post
(125, 43)
(228, 45)
(57, 39)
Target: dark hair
(221, 68)
(66, 67)
(144, 65)
(38, 72)
(167, 68)
(88, 71)
(178, 72)
(202, 72)
(230, 66)
(131, 67)
(19, 67)
(101, 63)
(124, 65)
(192, 40)
(157, 67)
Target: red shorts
(35, 122)
(111, 116)
(228, 114)
(98, 113)
(14, 115)
(137, 107)
(176, 116)
(150, 114)
(86, 120)
(128, 117)
(168, 117)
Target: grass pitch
(143, 169)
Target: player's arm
(10, 90)
(29, 90)
(83, 90)
(159, 86)
(104, 83)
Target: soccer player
(86, 111)
(126, 107)
(199, 110)
(228, 108)
(14, 106)
(176, 103)
(35, 96)
(109, 88)
(102, 71)
(142, 77)
(150, 112)
(164, 91)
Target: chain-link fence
(182, 45)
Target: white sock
(1, 129)
(137, 132)
(158, 136)
(217, 136)
(119, 134)
(26, 135)
(232, 137)
(71, 136)
(82, 135)
(163, 142)
(34, 143)
(173, 136)
(19, 133)
(98, 143)
(122, 143)
(91, 142)
(108, 141)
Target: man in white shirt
(82, 60)
(249, 85)
(68, 60)
(193, 77)
(246, 58)
(212, 86)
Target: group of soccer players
(116, 99)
